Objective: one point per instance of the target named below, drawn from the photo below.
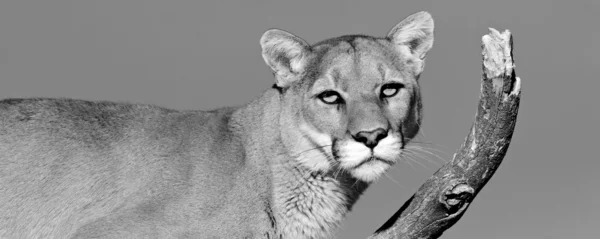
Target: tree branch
(442, 200)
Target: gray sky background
(203, 54)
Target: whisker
(409, 164)
(355, 182)
(416, 161)
(412, 142)
(393, 180)
(416, 156)
(419, 145)
(308, 150)
(424, 150)
(430, 149)
(338, 171)
(421, 130)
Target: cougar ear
(413, 35)
(286, 54)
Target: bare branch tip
(497, 53)
(496, 34)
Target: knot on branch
(456, 196)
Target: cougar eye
(330, 97)
(389, 90)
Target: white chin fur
(352, 154)
(370, 171)
(389, 147)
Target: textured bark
(443, 199)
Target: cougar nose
(370, 138)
